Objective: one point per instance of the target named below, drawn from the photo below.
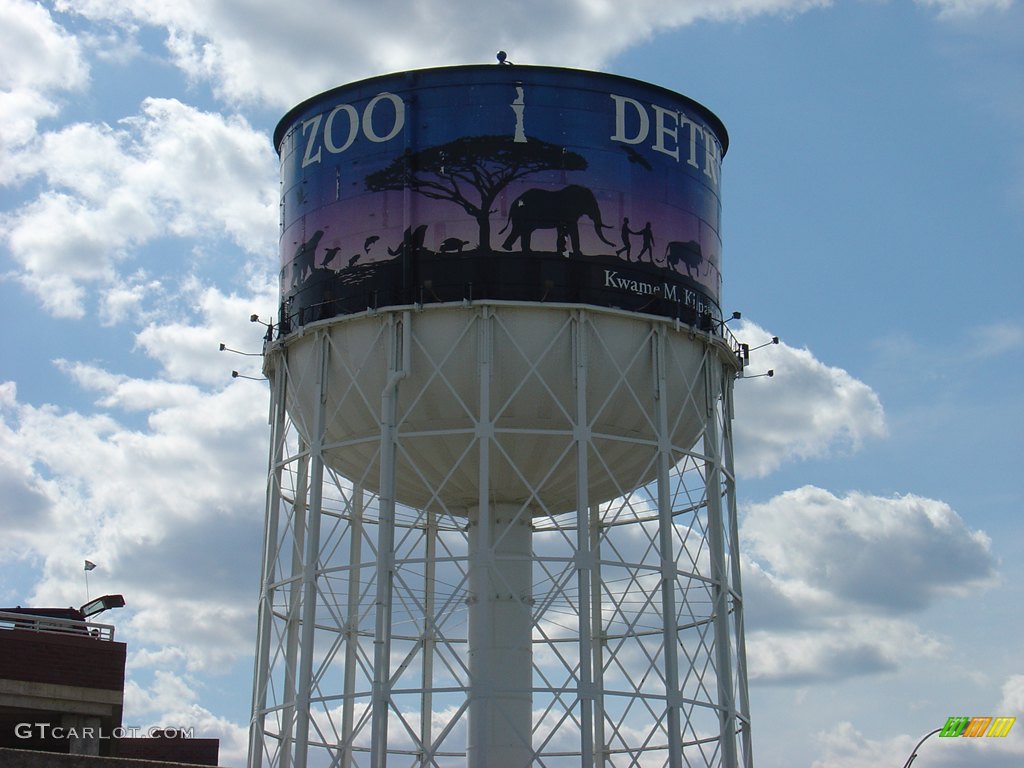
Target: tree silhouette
(472, 171)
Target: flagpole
(89, 565)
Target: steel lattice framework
(500, 535)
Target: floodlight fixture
(101, 604)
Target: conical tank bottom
(533, 381)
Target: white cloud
(896, 553)
(26, 511)
(208, 171)
(1012, 701)
(137, 296)
(829, 581)
(127, 393)
(171, 702)
(190, 351)
(951, 9)
(278, 57)
(38, 61)
(835, 649)
(990, 342)
(846, 747)
(808, 409)
(171, 171)
(163, 490)
(170, 512)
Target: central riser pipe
(500, 638)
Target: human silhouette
(626, 245)
(648, 244)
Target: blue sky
(873, 199)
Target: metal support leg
(719, 572)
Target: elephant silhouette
(558, 209)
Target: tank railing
(325, 310)
(53, 626)
(734, 345)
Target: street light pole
(913, 754)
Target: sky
(873, 219)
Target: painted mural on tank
(500, 182)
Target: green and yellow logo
(976, 727)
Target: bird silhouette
(636, 157)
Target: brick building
(62, 692)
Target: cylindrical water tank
(521, 184)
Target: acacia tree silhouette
(472, 171)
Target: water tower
(501, 515)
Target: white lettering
(316, 141)
(661, 131)
(368, 117)
(48, 730)
(353, 130)
(158, 732)
(309, 158)
(633, 126)
(612, 279)
(694, 129)
(519, 107)
(643, 122)
(712, 157)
